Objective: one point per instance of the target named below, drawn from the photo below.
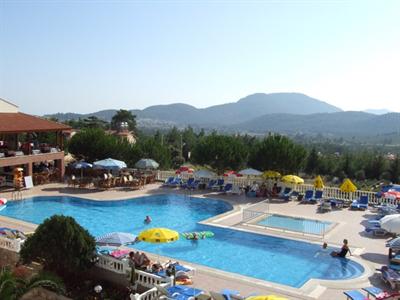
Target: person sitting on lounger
(156, 267)
(343, 251)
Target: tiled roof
(20, 122)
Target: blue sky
(83, 56)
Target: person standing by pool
(343, 251)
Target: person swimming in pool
(343, 251)
(147, 220)
(323, 251)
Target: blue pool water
(296, 224)
(264, 257)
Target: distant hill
(378, 111)
(245, 109)
(287, 113)
(340, 123)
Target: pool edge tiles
(226, 238)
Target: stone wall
(8, 258)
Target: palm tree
(13, 288)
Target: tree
(279, 153)
(13, 287)
(61, 245)
(394, 170)
(94, 144)
(123, 116)
(220, 152)
(312, 164)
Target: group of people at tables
(256, 190)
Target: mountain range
(289, 113)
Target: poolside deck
(350, 225)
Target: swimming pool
(296, 224)
(268, 258)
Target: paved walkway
(350, 225)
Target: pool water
(264, 257)
(296, 224)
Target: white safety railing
(328, 192)
(151, 294)
(10, 244)
(119, 266)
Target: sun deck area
(369, 250)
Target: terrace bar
(32, 143)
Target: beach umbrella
(347, 186)
(109, 164)
(266, 297)
(82, 165)
(158, 235)
(250, 172)
(269, 174)
(318, 182)
(394, 244)
(204, 174)
(391, 223)
(184, 169)
(146, 163)
(116, 239)
(293, 179)
(232, 174)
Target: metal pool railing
(258, 215)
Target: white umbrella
(116, 239)
(391, 223)
(204, 174)
(250, 172)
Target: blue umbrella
(394, 244)
(146, 163)
(116, 239)
(109, 164)
(82, 165)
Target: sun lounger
(318, 196)
(219, 185)
(235, 190)
(187, 183)
(229, 293)
(211, 183)
(227, 188)
(176, 182)
(177, 292)
(361, 203)
(194, 185)
(354, 295)
(308, 197)
(376, 231)
(168, 181)
(285, 194)
(390, 276)
(325, 205)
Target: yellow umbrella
(318, 182)
(271, 174)
(292, 179)
(158, 235)
(347, 186)
(267, 297)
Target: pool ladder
(16, 195)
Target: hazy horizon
(83, 57)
